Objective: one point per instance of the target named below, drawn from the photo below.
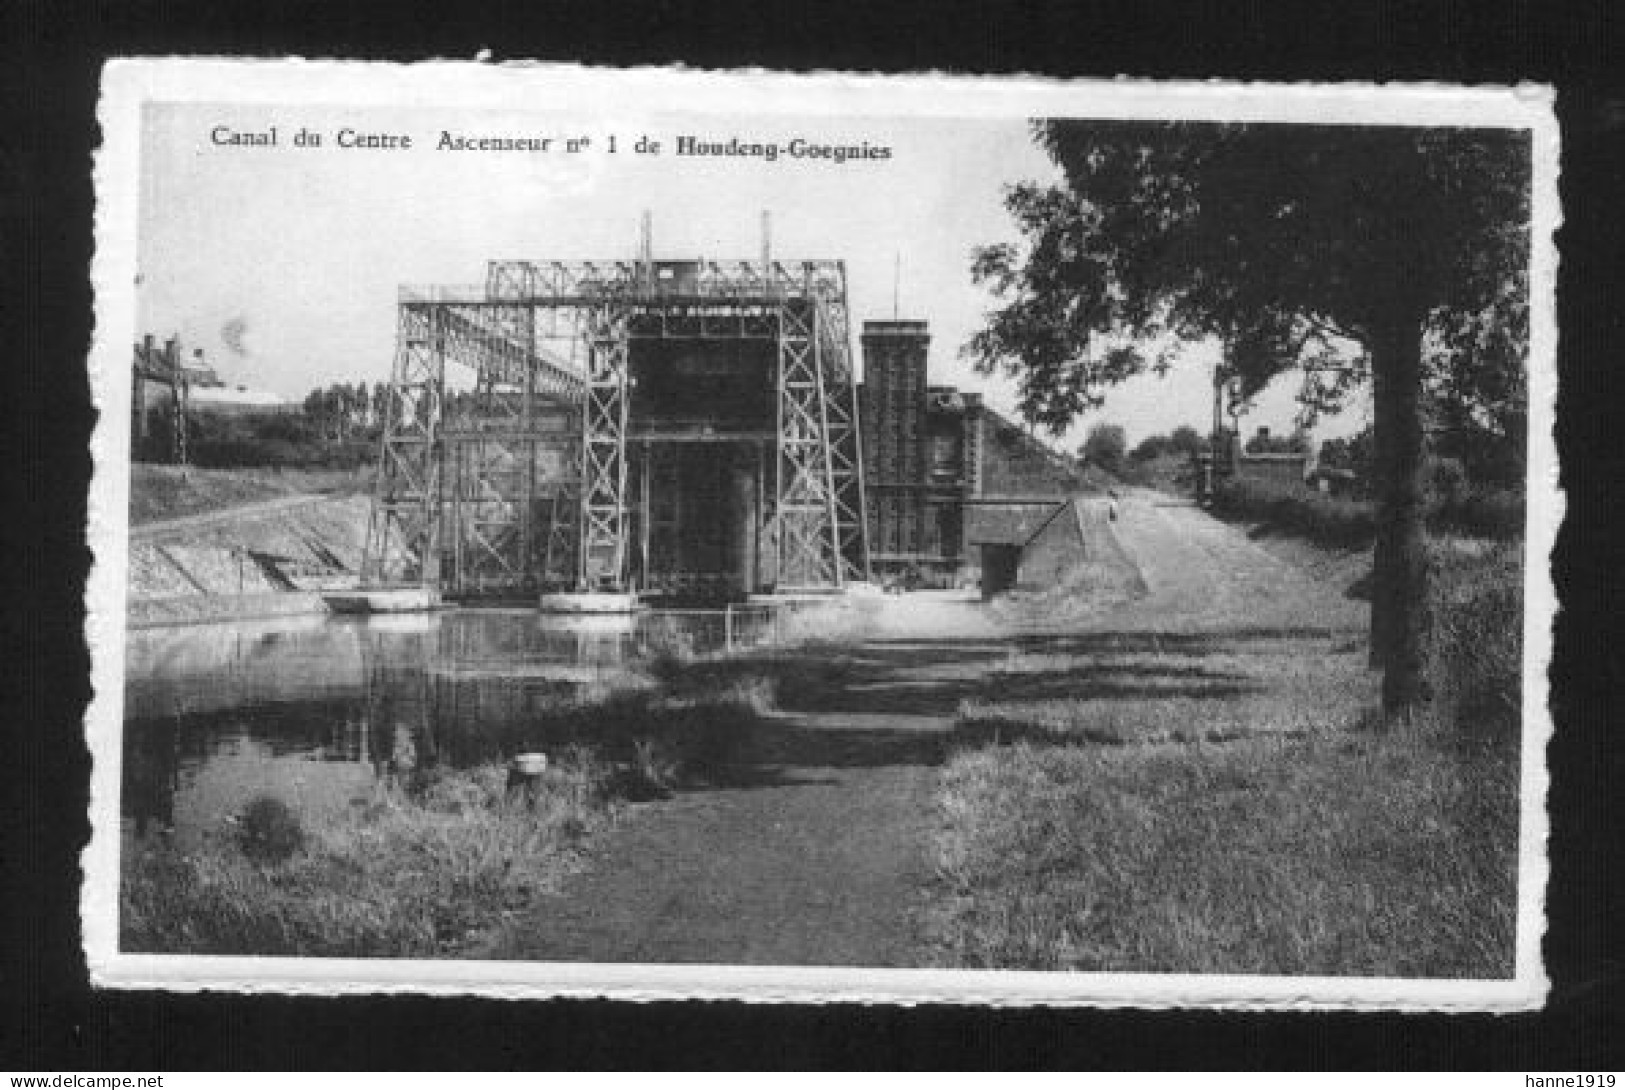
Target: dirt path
(822, 857)
(243, 512)
(821, 868)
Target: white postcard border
(128, 85)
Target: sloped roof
(1010, 523)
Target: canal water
(315, 710)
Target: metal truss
(708, 321)
(460, 474)
(403, 531)
(489, 511)
(589, 283)
(603, 453)
(161, 366)
(806, 515)
(512, 444)
(844, 434)
(498, 342)
(516, 500)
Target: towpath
(822, 856)
(817, 855)
(241, 513)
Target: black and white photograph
(649, 533)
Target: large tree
(1273, 239)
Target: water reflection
(315, 710)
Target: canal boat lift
(608, 432)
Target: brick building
(937, 459)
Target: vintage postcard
(657, 534)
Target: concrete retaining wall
(1053, 551)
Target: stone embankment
(262, 559)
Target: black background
(51, 1021)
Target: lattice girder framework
(402, 534)
(488, 506)
(458, 472)
(845, 435)
(464, 474)
(604, 512)
(807, 521)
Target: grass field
(1222, 813)
(1188, 797)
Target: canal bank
(396, 732)
(266, 559)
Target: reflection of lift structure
(517, 454)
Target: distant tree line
(342, 411)
(336, 427)
(1106, 445)
(1184, 441)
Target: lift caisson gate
(677, 428)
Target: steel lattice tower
(523, 466)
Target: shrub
(1476, 646)
(668, 649)
(1445, 480)
(268, 831)
(412, 875)
(654, 770)
(1454, 505)
(1482, 512)
(1336, 521)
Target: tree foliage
(1105, 445)
(1281, 242)
(1476, 387)
(1352, 453)
(1186, 440)
(1152, 446)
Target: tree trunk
(1381, 609)
(1399, 606)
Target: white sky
(306, 247)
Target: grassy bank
(405, 875)
(164, 491)
(429, 865)
(1313, 855)
(1222, 805)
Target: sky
(282, 263)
